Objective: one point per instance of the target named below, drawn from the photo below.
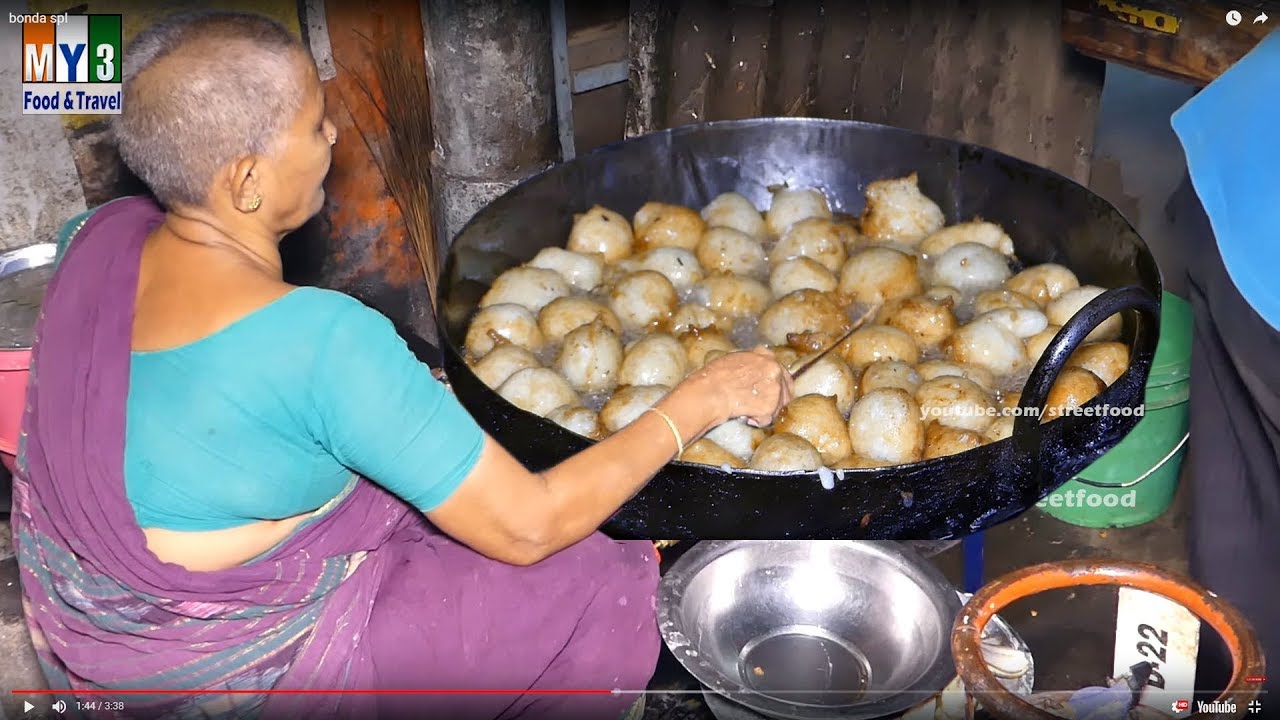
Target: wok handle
(981, 685)
(1070, 337)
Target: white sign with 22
(1154, 629)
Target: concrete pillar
(489, 63)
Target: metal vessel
(1050, 218)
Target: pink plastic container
(15, 367)
(24, 274)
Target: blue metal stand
(973, 562)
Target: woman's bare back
(186, 292)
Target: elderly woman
(229, 483)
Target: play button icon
(27, 707)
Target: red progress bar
(314, 692)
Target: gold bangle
(675, 431)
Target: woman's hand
(752, 385)
(511, 514)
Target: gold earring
(257, 203)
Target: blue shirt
(269, 417)
(1230, 132)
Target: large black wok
(1050, 218)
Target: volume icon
(59, 707)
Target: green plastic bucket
(1134, 482)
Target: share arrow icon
(1260, 19)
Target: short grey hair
(200, 91)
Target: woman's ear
(246, 185)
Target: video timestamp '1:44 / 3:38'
(99, 705)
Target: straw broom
(402, 150)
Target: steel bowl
(21, 292)
(27, 256)
(811, 630)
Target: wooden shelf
(598, 55)
(1188, 41)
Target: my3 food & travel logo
(70, 63)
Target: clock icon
(1234, 18)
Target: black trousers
(1235, 448)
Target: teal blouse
(269, 417)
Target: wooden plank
(597, 119)
(1027, 95)
(843, 37)
(1062, 90)
(793, 57)
(999, 79)
(598, 44)
(742, 79)
(1069, 117)
(1032, 94)
(700, 40)
(879, 85)
(980, 73)
(592, 13)
(650, 58)
(594, 78)
(563, 78)
(914, 97)
(1200, 50)
(996, 76)
(958, 20)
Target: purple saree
(367, 596)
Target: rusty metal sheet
(358, 243)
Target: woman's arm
(508, 513)
(380, 412)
